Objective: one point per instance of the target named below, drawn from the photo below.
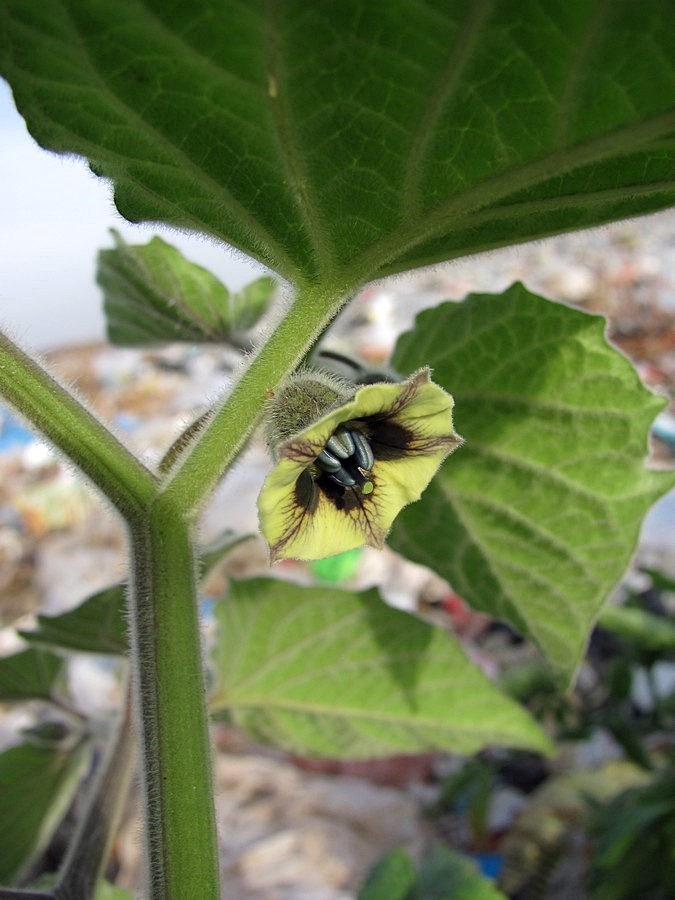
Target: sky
(54, 218)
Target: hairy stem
(171, 709)
(165, 640)
(227, 432)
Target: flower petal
(409, 428)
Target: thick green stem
(165, 640)
(227, 432)
(171, 709)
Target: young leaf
(153, 294)
(534, 520)
(29, 675)
(338, 144)
(324, 671)
(97, 625)
(37, 785)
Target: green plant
(338, 144)
(634, 833)
(442, 875)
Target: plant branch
(225, 435)
(73, 430)
(89, 850)
(165, 642)
(170, 703)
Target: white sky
(54, 217)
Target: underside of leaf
(329, 672)
(341, 142)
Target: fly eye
(346, 459)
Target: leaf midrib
(401, 720)
(297, 176)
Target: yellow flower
(340, 482)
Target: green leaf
(535, 519)
(393, 878)
(153, 294)
(443, 875)
(104, 890)
(97, 625)
(107, 891)
(633, 852)
(327, 672)
(337, 144)
(660, 580)
(248, 305)
(640, 627)
(446, 875)
(37, 785)
(29, 675)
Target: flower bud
(303, 399)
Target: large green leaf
(534, 520)
(29, 675)
(37, 785)
(338, 142)
(153, 293)
(324, 671)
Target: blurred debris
(292, 835)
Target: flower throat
(347, 459)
